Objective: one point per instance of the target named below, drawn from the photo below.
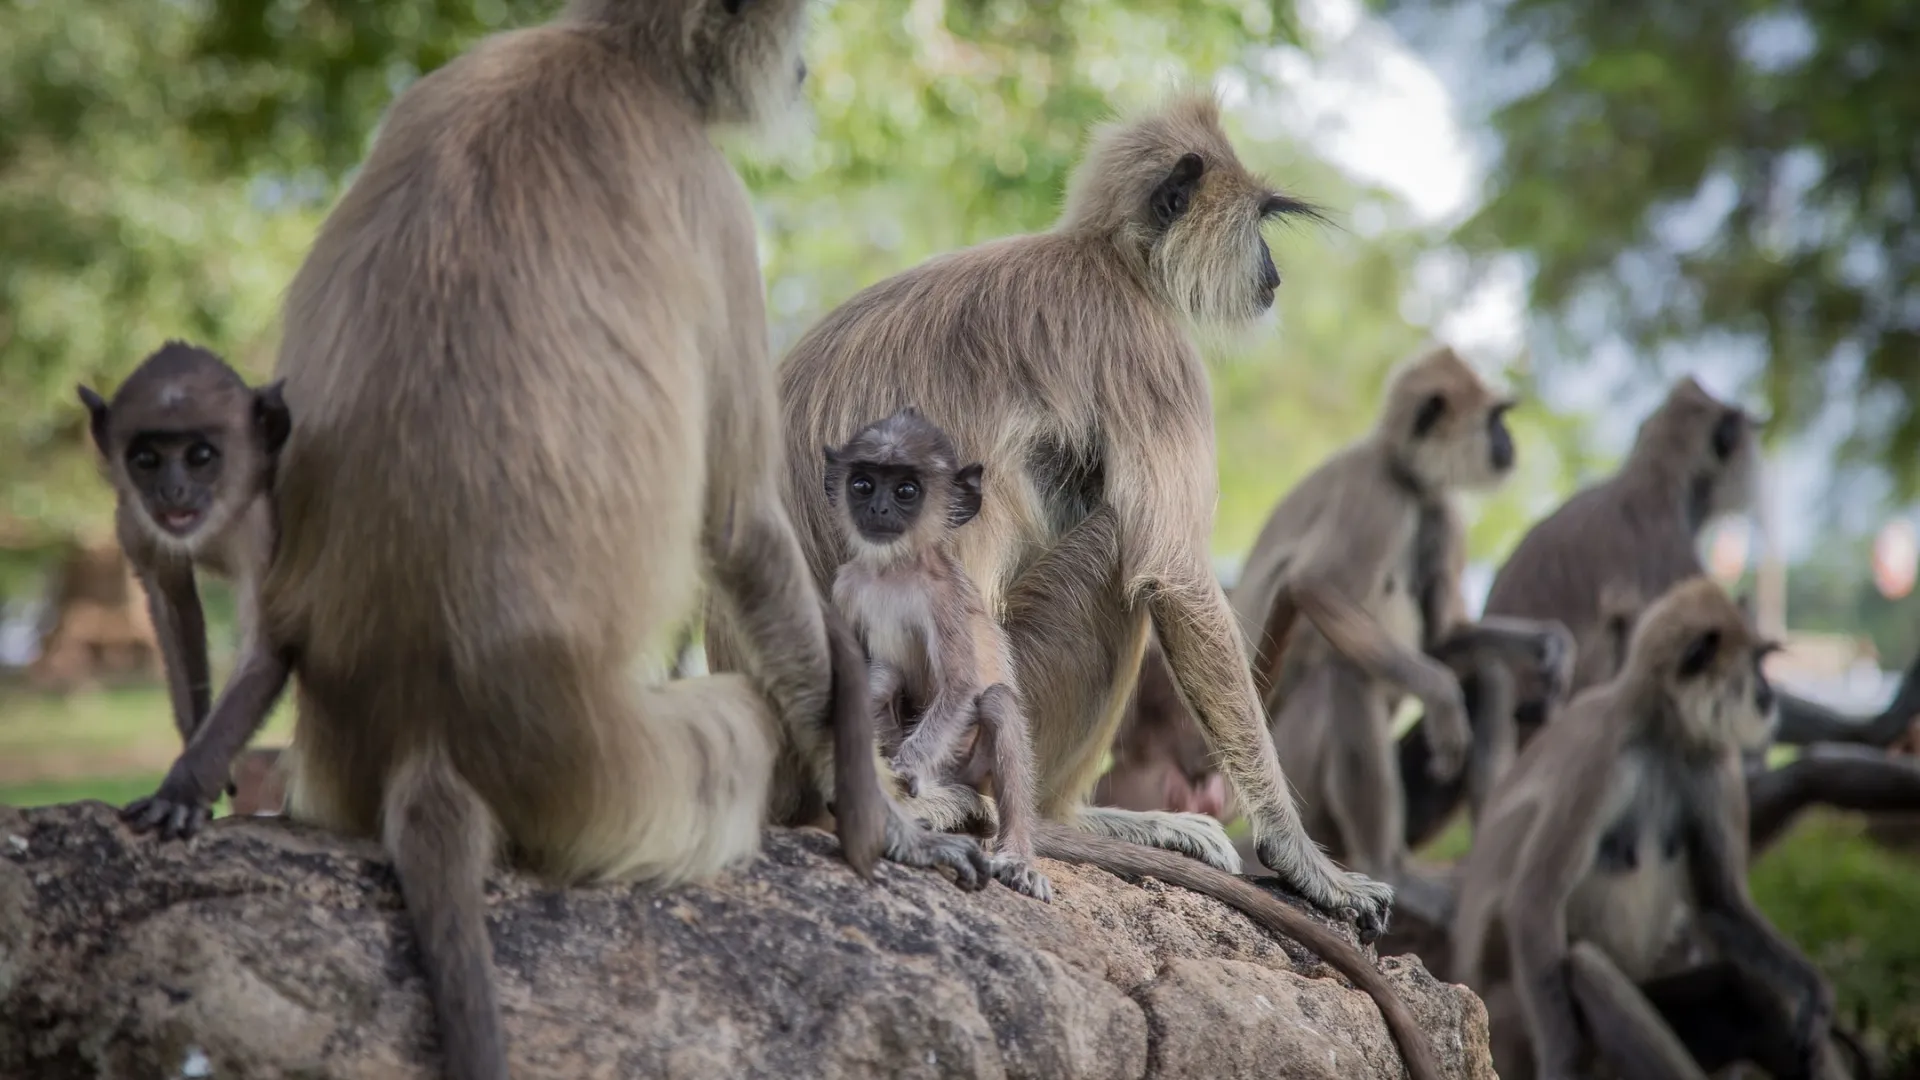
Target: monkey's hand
(182, 805)
(1020, 875)
(1448, 733)
(1555, 661)
(910, 843)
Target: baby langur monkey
(1621, 826)
(192, 450)
(901, 492)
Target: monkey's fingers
(1020, 876)
(144, 814)
(911, 844)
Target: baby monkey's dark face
(884, 501)
(177, 475)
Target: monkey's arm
(198, 776)
(1355, 634)
(1717, 857)
(1556, 855)
(1803, 722)
(173, 603)
(883, 691)
(1545, 644)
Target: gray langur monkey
(1593, 560)
(534, 416)
(1065, 362)
(192, 450)
(1620, 827)
(902, 492)
(1366, 549)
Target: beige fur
(1063, 361)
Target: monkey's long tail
(441, 837)
(1055, 841)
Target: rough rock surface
(264, 950)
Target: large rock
(263, 950)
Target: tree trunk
(101, 630)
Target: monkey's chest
(1635, 898)
(1396, 598)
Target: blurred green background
(1587, 198)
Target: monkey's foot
(911, 844)
(1303, 867)
(1022, 877)
(1196, 836)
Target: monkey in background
(537, 303)
(1160, 759)
(1065, 362)
(1621, 824)
(1631, 537)
(902, 492)
(1367, 548)
(191, 450)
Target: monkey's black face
(883, 501)
(1499, 439)
(177, 475)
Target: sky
(1394, 117)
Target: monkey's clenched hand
(1448, 733)
(185, 799)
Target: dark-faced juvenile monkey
(1160, 759)
(528, 357)
(902, 492)
(1065, 362)
(1361, 549)
(192, 450)
(1621, 825)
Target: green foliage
(1679, 172)
(1849, 902)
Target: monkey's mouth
(179, 522)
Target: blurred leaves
(164, 165)
(1737, 174)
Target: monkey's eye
(200, 454)
(144, 458)
(860, 486)
(907, 491)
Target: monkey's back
(491, 496)
(1612, 535)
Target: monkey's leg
(198, 775)
(883, 691)
(761, 578)
(1622, 1024)
(173, 603)
(1004, 731)
(1845, 777)
(1362, 792)
(1077, 650)
(1196, 630)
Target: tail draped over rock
(1055, 841)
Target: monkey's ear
(96, 415)
(833, 460)
(1726, 433)
(966, 495)
(1699, 654)
(1430, 412)
(1175, 193)
(271, 417)
(733, 7)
